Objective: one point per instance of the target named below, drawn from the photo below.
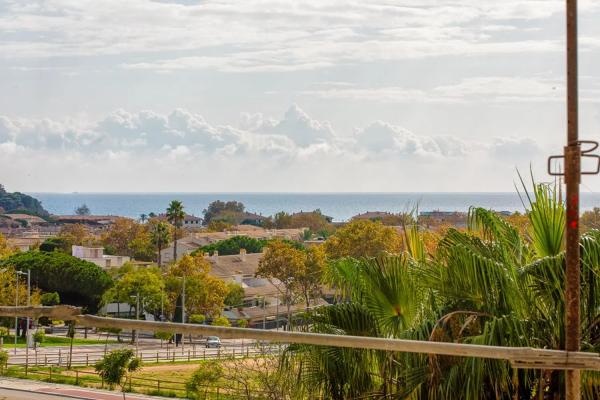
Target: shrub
(220, 321)
(207, 374)
(163, 335)
(39, 336)
(3, 360)
(242, 323)
(197, 319)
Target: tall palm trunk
(175, 246)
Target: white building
(96, 255)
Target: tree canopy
(488, 284)
(233, 246)
(220, 208)
(77, 282)
(363, 238)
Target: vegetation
(314, 221)
(363, 238)
(127, 237)
(78, 282)
(5, 249)
(487, 285)
(283, 262)
(82, 210)
(235, 294)
(11, 202)
(160, 234)
(175, 215)
(117, 366)
(220, 210)
(146, 283)
(74, 234)
(8, 288)
(205, 294)
(3, 361)
(233, 246)
(220, 321)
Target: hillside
(10, 202)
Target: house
(96, 255)
(185, 246)
(92, 220)
(27, 219)
(373, 216)
(436, 217)
(189, 220)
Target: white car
(213, 341)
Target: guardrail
(61, 358)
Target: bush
(3, 332)
(57, 322)
(39, 336)
(55, 244)
(197, 319)
(50, 299)
(242, 323)
(207, 374)
(3, 360)
(163, 335)
(220, 321)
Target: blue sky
(262, 95)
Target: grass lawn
(49, 341)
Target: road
(11, 394)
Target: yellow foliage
(7, 289)
(362, 238)
(5, 249)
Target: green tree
(233, 245)
(175, 215)
(147, 283)
(220, 321)
(235, 294)
(82, 210)
(50, 299)
(3, 361)
(487, 285)
(117, 366)
(161, 235)
(283, 262)
(77, 282)
(363, 238)
(218, 208)
(310, 280)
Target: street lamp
(28, 274)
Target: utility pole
(16, 305)
(572, 153)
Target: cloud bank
(136, 150)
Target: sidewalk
(67, 391)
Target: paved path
(11, 388)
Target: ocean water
(340, 206)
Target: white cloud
(267, 36)
(150, 151)
(295, 125)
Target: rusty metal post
(572, 179)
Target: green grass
(50, 341)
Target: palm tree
(175, 216)
(487, 285)
(143, 218)
(160, 233)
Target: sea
(340, 206)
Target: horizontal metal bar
(519, 355)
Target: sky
(287, 96)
